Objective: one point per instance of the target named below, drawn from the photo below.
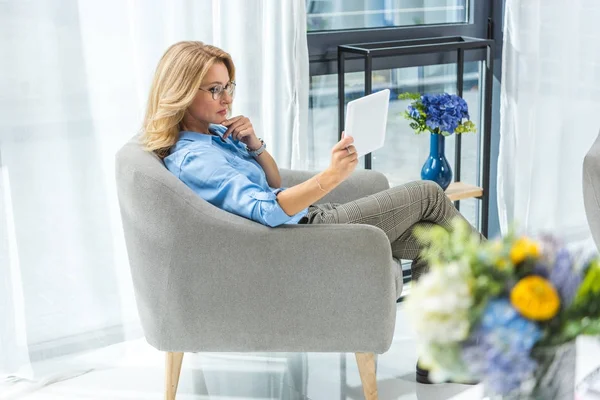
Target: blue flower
(560, 267)
(432, 123)
(563, 276)
(464, 109)
(413, 112)
(445, 112)
(498, 350)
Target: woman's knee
(431, 188)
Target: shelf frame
(444, 44)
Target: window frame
(485, 21)
(322, 45)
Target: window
(358, 14)
(335, 22)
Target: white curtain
(75, 77)
(549, 102)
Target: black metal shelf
(459, 44)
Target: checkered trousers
(397, 211)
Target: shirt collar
(203, 137)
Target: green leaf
(590, 287)
(468, 126)
(409, 96)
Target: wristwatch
(257, 152)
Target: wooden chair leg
(366, 368)
(172, 370)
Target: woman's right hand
(343, 158)
(343, 162)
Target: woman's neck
(189, 123)
(198, 128)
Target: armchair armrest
(360, 184)
(323, 288)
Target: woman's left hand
(240, 128)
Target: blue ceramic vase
(436, 167)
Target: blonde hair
(177, 78)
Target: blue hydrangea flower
(563, 276)
(444, 111)
(413, 112)
(561, 267)
(498, 351)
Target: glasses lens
(217, 91)
(230, 88)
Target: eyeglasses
(217, 91)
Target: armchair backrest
(157, 211)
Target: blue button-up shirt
(224, 174)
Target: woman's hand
(343, 158)
(343, 162)
(240, 128)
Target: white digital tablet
(366, 119)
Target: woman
(225, 163)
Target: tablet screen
(366, 120)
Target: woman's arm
(269, 165)
(299, 197)
(210, 175)
(240, 128)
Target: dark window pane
(358, 14)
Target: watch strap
(257, 152)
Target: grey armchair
(591, 189)
(209, 280)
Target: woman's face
(205, 109)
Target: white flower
(439, 303)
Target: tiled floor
(134, 370)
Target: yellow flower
(535, 298)
(522, 249)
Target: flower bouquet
(442, 115)
(504, 312)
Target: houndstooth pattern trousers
(397, 211)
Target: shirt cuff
(276, 191)
(276, 216)
(269, 212)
